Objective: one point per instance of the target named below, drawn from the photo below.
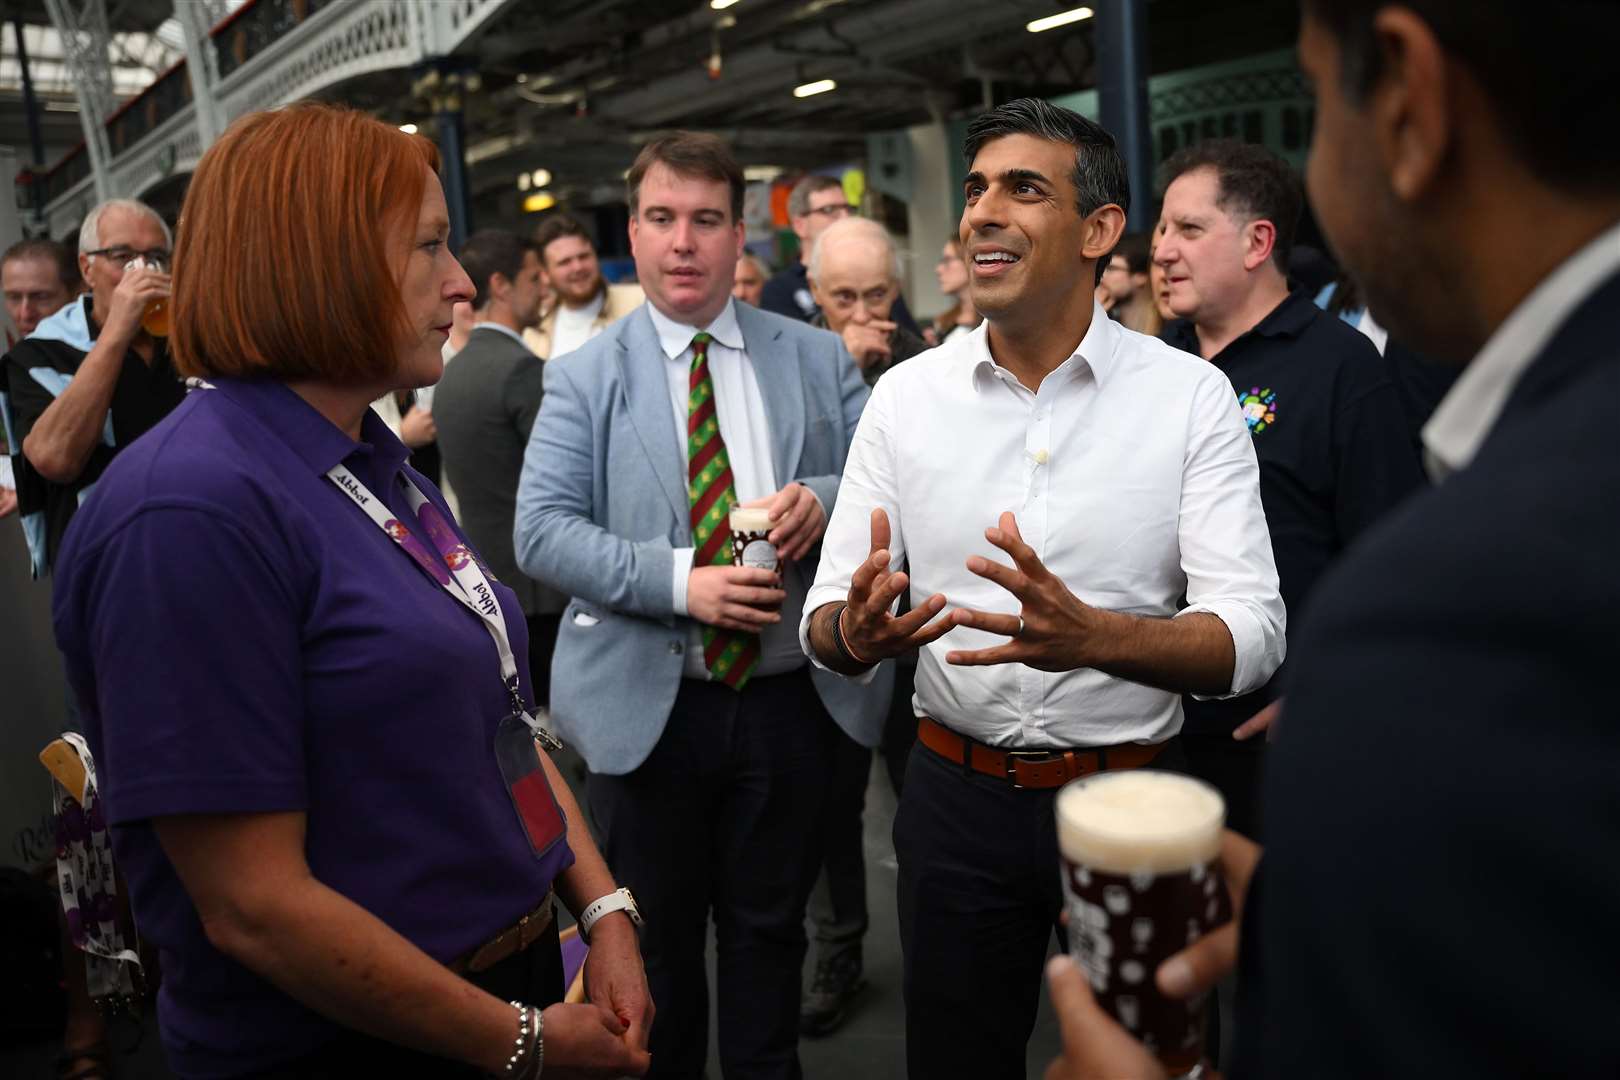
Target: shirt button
(677, 648)
(1042, 457)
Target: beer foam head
(750, 519)
(1140, 821)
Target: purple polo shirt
(243, 638)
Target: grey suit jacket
(484, 409)
(603, 504)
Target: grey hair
(1099, 172)
(759, 263)
(855, 228)
(799, 197)
(90, 231)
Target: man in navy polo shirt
(1327, 424)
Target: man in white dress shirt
(1117, 477)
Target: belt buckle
(1031, 756)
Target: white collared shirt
(1132, 475)
(743, 425)
(1466, 416)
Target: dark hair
(67, 264)
(1251, 182)
(1099, 172)
(799, 197)
(1552, 97)
(310, 177)
(488, 252)
(555, 226)
(1135, 249)
(688, 154)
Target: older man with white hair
(854, 275)
(91, 378)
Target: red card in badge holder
(537, 810)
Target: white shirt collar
(507, 330)
(1096, 349)
(1459, 426)
(676, 338)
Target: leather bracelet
(838, 638)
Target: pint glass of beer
(1141, 883)
(750, 539)
(155, 321)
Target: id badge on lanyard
(458, 573)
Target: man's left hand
(1054, 626)
(615, 978)
(797, 520)
(8, 502)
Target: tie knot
(700, 341)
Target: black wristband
(838, 638)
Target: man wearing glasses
(90, 380)
(815, 204)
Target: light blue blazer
(603, 503)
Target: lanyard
(456, 571)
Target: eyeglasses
(122, 254)
(832, 210)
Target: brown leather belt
(509, 942)
(1038, 769)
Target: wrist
(841, 641)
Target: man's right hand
(734, 597)
(588, 1041)
(870, 631)
(135, 292)
(868, 343)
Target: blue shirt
(243, 638)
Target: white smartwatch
(617, 900)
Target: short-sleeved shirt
(1330, 433)
(243, 638)
(35, 372)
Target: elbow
(239, 934)
(50, 464)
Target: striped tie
(730, 655)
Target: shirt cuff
(681, 572)
(1256, 655)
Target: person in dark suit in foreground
(1436, 893)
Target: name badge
(537, 810)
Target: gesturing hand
(797, 520)
(870, 631)
(1051, 631)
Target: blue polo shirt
(243, 638)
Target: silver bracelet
(525, 1048)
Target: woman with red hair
(312, 723)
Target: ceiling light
(1062, 18)
(721, 5)
(540, 177)
(540, 200)
(811, 89)
(409, 129)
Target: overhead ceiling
(575, 86)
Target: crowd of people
(355, 574)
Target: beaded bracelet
(528, 1049)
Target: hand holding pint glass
(152, 291)
(1142, 882)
